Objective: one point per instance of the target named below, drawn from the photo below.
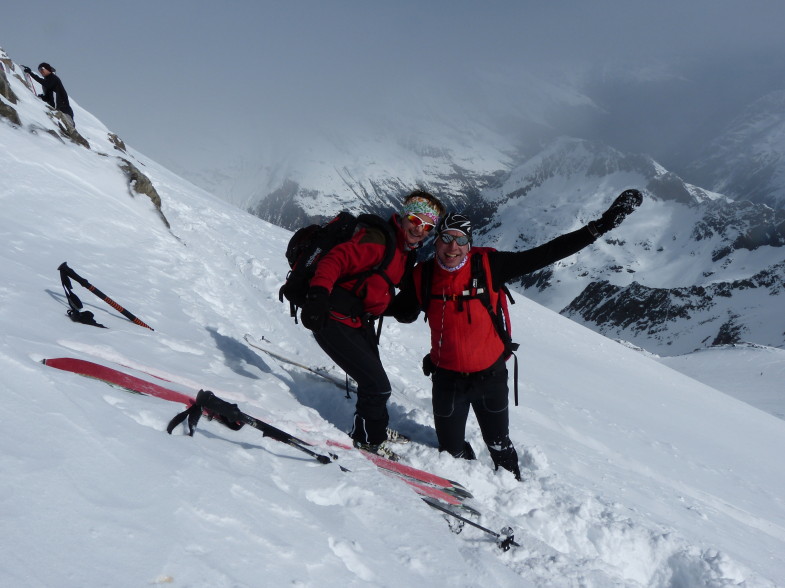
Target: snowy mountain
(634, 475)
(689, 269)
(746, 160)
(358, 175)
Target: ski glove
(27, 70)
(624, 204)
(316, 309)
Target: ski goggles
(460, 239)
(417, 221)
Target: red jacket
(463, 336)
(362, 252)
(458, 344)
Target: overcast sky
(179, 80)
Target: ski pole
(29, 79)
(210, 403)
(505, 539)
(283, 437)
(66, 272)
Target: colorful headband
(418, 205)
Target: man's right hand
(316, 310)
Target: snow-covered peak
(746, 160)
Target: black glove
(26, 69)
(427, 365)
(624, 204)
(403, 308)
(316, 309)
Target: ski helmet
(455, 222)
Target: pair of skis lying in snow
(447, 496)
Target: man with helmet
(462, 294)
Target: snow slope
(752, 373)
(635, 475)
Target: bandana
(452, 269)
(422, 206)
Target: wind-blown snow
(634, 475)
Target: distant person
(54, 92)
(460, 291)
(343, 280)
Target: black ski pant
(486, 393)
(356, 352)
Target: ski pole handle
(211, 403)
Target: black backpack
(309, 244)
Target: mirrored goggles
(417, 221)
(460, 239)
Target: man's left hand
(625, 203)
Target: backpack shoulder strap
(378, 230)
(383, 228)
(500, 317)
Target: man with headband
(350, 341)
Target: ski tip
(457, 485)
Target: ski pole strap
(85, 317)
(210, 405)
(75, 313)
(192, 413)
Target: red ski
(406, 471)
(424, 483)
(117, 378)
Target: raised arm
(508, 265)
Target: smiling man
(462, 295)
(348, 293)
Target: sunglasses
(417, 221)
(460, 239)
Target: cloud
(168, 76)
